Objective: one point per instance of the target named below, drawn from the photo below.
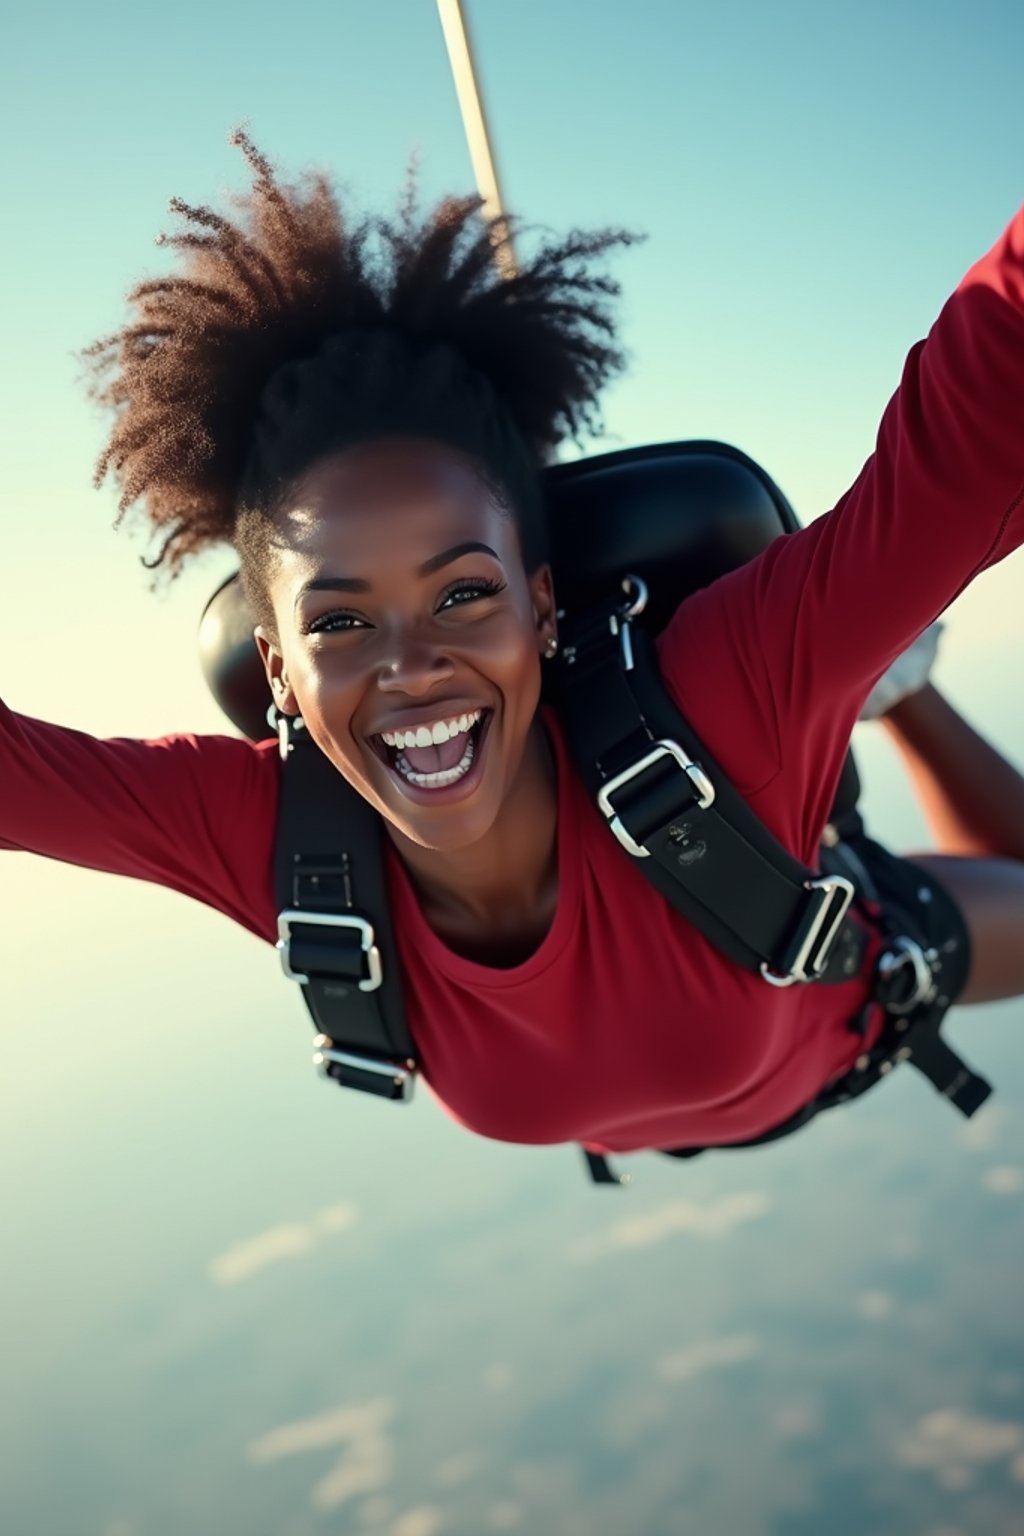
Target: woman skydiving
(362, 410)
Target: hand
(906, 675)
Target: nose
(414, 667)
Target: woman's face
(402, 606)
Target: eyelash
(482, 586)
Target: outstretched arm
(194, 813)
(773, 662)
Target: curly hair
(294, 331)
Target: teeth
(437, 780)
(427, 735)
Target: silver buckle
(401, 1073)
(694, 772)
(286, 920)
(902, 951)
(813, 953)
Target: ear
(542, 596)
(273, 665)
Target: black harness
(670, 806)
(334, 928)
(680, 515)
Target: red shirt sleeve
(773, 662)
(195, 813)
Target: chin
(450, 839)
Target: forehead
(389, 504)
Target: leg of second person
(990, 895)
(972, 797)
(974, 802)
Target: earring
(551, 649)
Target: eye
(469, 589)
(335, 622)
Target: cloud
(712, 1219)
(875, 1304)
(983, 1130)
(425, 1520)
(499, 1377)
(367, 1460)
(707, 1355)
(336, 1218)
(289, 1241)
(347, 1423)
(504, 1516)
(952, 1443)
(797, 1419)
(1003, 1181)
(456, 1469)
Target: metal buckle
(635, 589)
(401, 1074)
(812, 956)
(286, 921)
(903, 951)
(694, 772)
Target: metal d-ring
(635, 589)
(901, 951)
(630, 583)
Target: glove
(906, 675)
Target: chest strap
(334, 927)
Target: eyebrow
(428, 568)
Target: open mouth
(437, 765)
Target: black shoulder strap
(672, 808)
(335, 934)
(669, 805)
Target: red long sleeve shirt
(625, 1029)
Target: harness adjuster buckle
(296, 916)
(394, 1080)
(693, 771)
(819, 930)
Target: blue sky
(813, 181)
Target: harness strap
(334, 924)
(601, 1170)
(947, 1072)
(669, 804)
(908, 984)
